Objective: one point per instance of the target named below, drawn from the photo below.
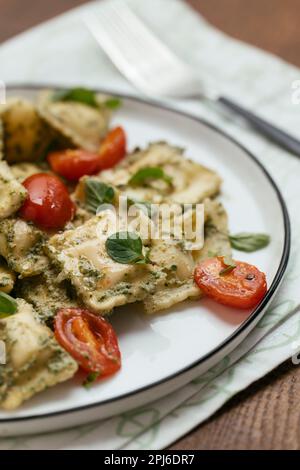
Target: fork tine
(125, 32)
(106, 34)
(143, 38)
(121, 37)
(136, 51)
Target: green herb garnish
(8, 305)
(149, 173)
(113, 103)
(227, 270)
(90, 379)
(79, 95)
(230, 265)
(249, 242)
(86, 96)
(97, 193)
(126, 248)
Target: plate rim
(260, 307)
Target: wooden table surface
(267, 414)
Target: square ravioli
(216, 233)
(34, 360)
(191, 182)
(12, 192)
(75, 124)
(21, 245)
(100, 282)
(180, 263)
(46, 294)
(26, 136)
(1, 139)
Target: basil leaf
(249, 242)
(113, 103)
(97, 193)
(79, 95)
(8, 305)
(149, 173)
(125, 248)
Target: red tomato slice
(242, 287)
(73, 164)
(112, 149)
(48, 203)
(89, 339)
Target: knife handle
(280, 137)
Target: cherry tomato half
(241, 287)
(48, 203)
(89, 339)
(73, 164)
(112, 149)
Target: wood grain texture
(269, 24)
(267, 414)
(18, 15)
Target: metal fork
(156, 71)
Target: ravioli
(21, 244)
(1, 139)
(100, 282)
(180, 263)
(35, 361)
(74, 124)
(179, 285)
(191, 182)
(26, 135)
(47, 295)
(7, 278)
(23, 170)
(216, 234)
(12, 193)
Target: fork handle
(283, 139)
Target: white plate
(163, 352)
